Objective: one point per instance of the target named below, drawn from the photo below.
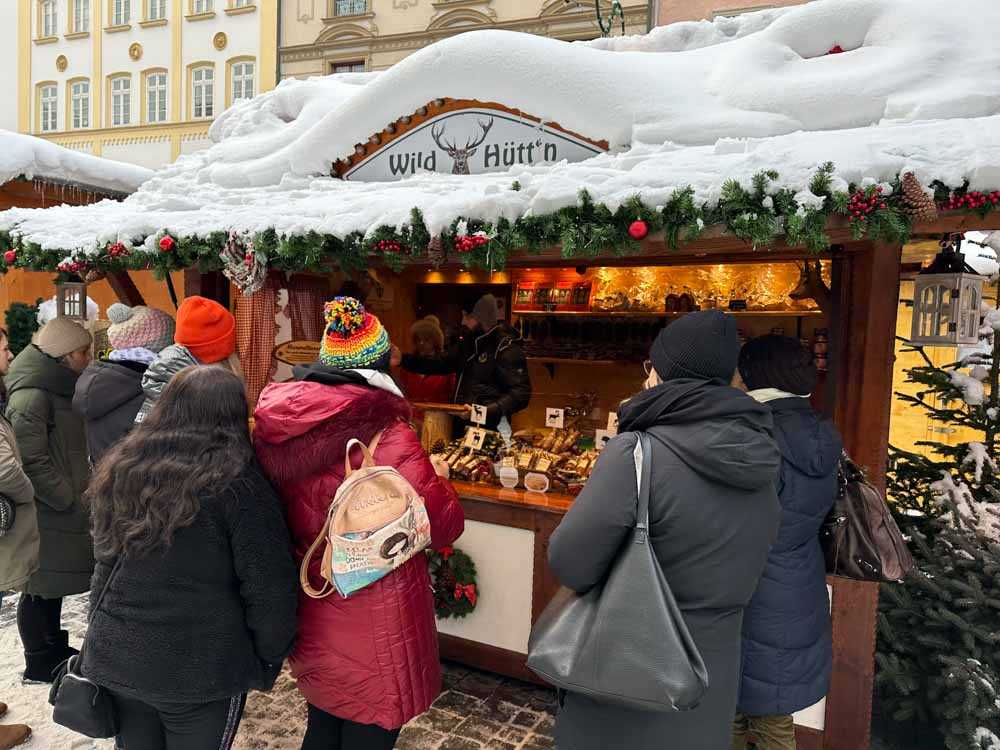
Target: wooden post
(125, 289)
(211, 285)
(866, 302)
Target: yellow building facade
(320, 37)
(139, 81)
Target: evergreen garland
(757, 213)
(21, 321)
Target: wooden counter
(507, 535)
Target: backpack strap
(304, 567)
(367, 450)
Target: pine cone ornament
(93, 276)
(446, 578)
(917, 204)
(435, 252)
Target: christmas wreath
(453, 576)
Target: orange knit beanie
(206, 329)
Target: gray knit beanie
(486, 311)
(701, 345)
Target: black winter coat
(209, 618)
(492, 371)
(713, 514)
(108, 396)
(787, 646)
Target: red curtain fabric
(255, 326)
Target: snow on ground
(689, 104)
(35, 158)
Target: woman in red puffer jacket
(369, 663)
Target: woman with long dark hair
(201, 603)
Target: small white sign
(475, 437)
(555, 418)
(601, 438)
(478, 414)
(613, 422)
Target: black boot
(40, 666)
(61, 646)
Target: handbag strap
(100, 599)
(643, 474)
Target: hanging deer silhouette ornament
(460, 156)
(811, 285)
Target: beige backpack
(376, 522)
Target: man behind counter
(487, 356)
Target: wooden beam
(212, 285)
(125, 289)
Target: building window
(242, 3)
(202, 92)
(156, 10)
(81, 16)
(350, 7)
(121, 100)
(49, 18)
(348, 67)
(156, 97)
(80, 104)
(243, 80)
(48, 101)
(121, 12)
(203, 6)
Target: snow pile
(689, 104)
(35, 158)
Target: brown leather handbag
(860, 537)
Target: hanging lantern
(71, 299)
(947, 296)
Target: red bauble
(167, 244)
(9, 257)
(835, 50)
(638, 230)
(117, 250)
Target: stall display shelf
(659, 314)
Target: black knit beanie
(778, 362)
(701, 345)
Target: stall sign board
(601, 438)
(555, 418)
(478, 414)
(466, 140)
(297, 352)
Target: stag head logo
(460, 156)
(811, 285)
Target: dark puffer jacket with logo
(108, 396)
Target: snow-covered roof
(37, 159)
(692, 104)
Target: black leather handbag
(8, 514)
(79, 704)
(625, 641)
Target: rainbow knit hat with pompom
(354, 339)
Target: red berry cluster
(466, 243)
(248, 260)
(167, 244)
(389, 246)
(973, 200)
(865, 202)
(9, 257)
(118, 250)
(72, 266)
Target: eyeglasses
(648, 367)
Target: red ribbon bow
(468, 591)
(446, 552)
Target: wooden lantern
(947, 299)
(71, 300)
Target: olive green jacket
(53, 443)
(19, 546)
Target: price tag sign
(601, 438)
(508, 462)
(555, 418)
(474, 438)
(478, 414)
(613, 422)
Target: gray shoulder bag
(625, 641)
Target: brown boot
(12, 735)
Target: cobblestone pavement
(475, 711)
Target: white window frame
(81, 16)
(50, 18)
(347, 8)
(48, 103)
(79, 105)
(121, 12)
(156, 10)
(244, 80)
(202, 6)
(203, 92)
(242, 3)
(121, 100)
(156, 97)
